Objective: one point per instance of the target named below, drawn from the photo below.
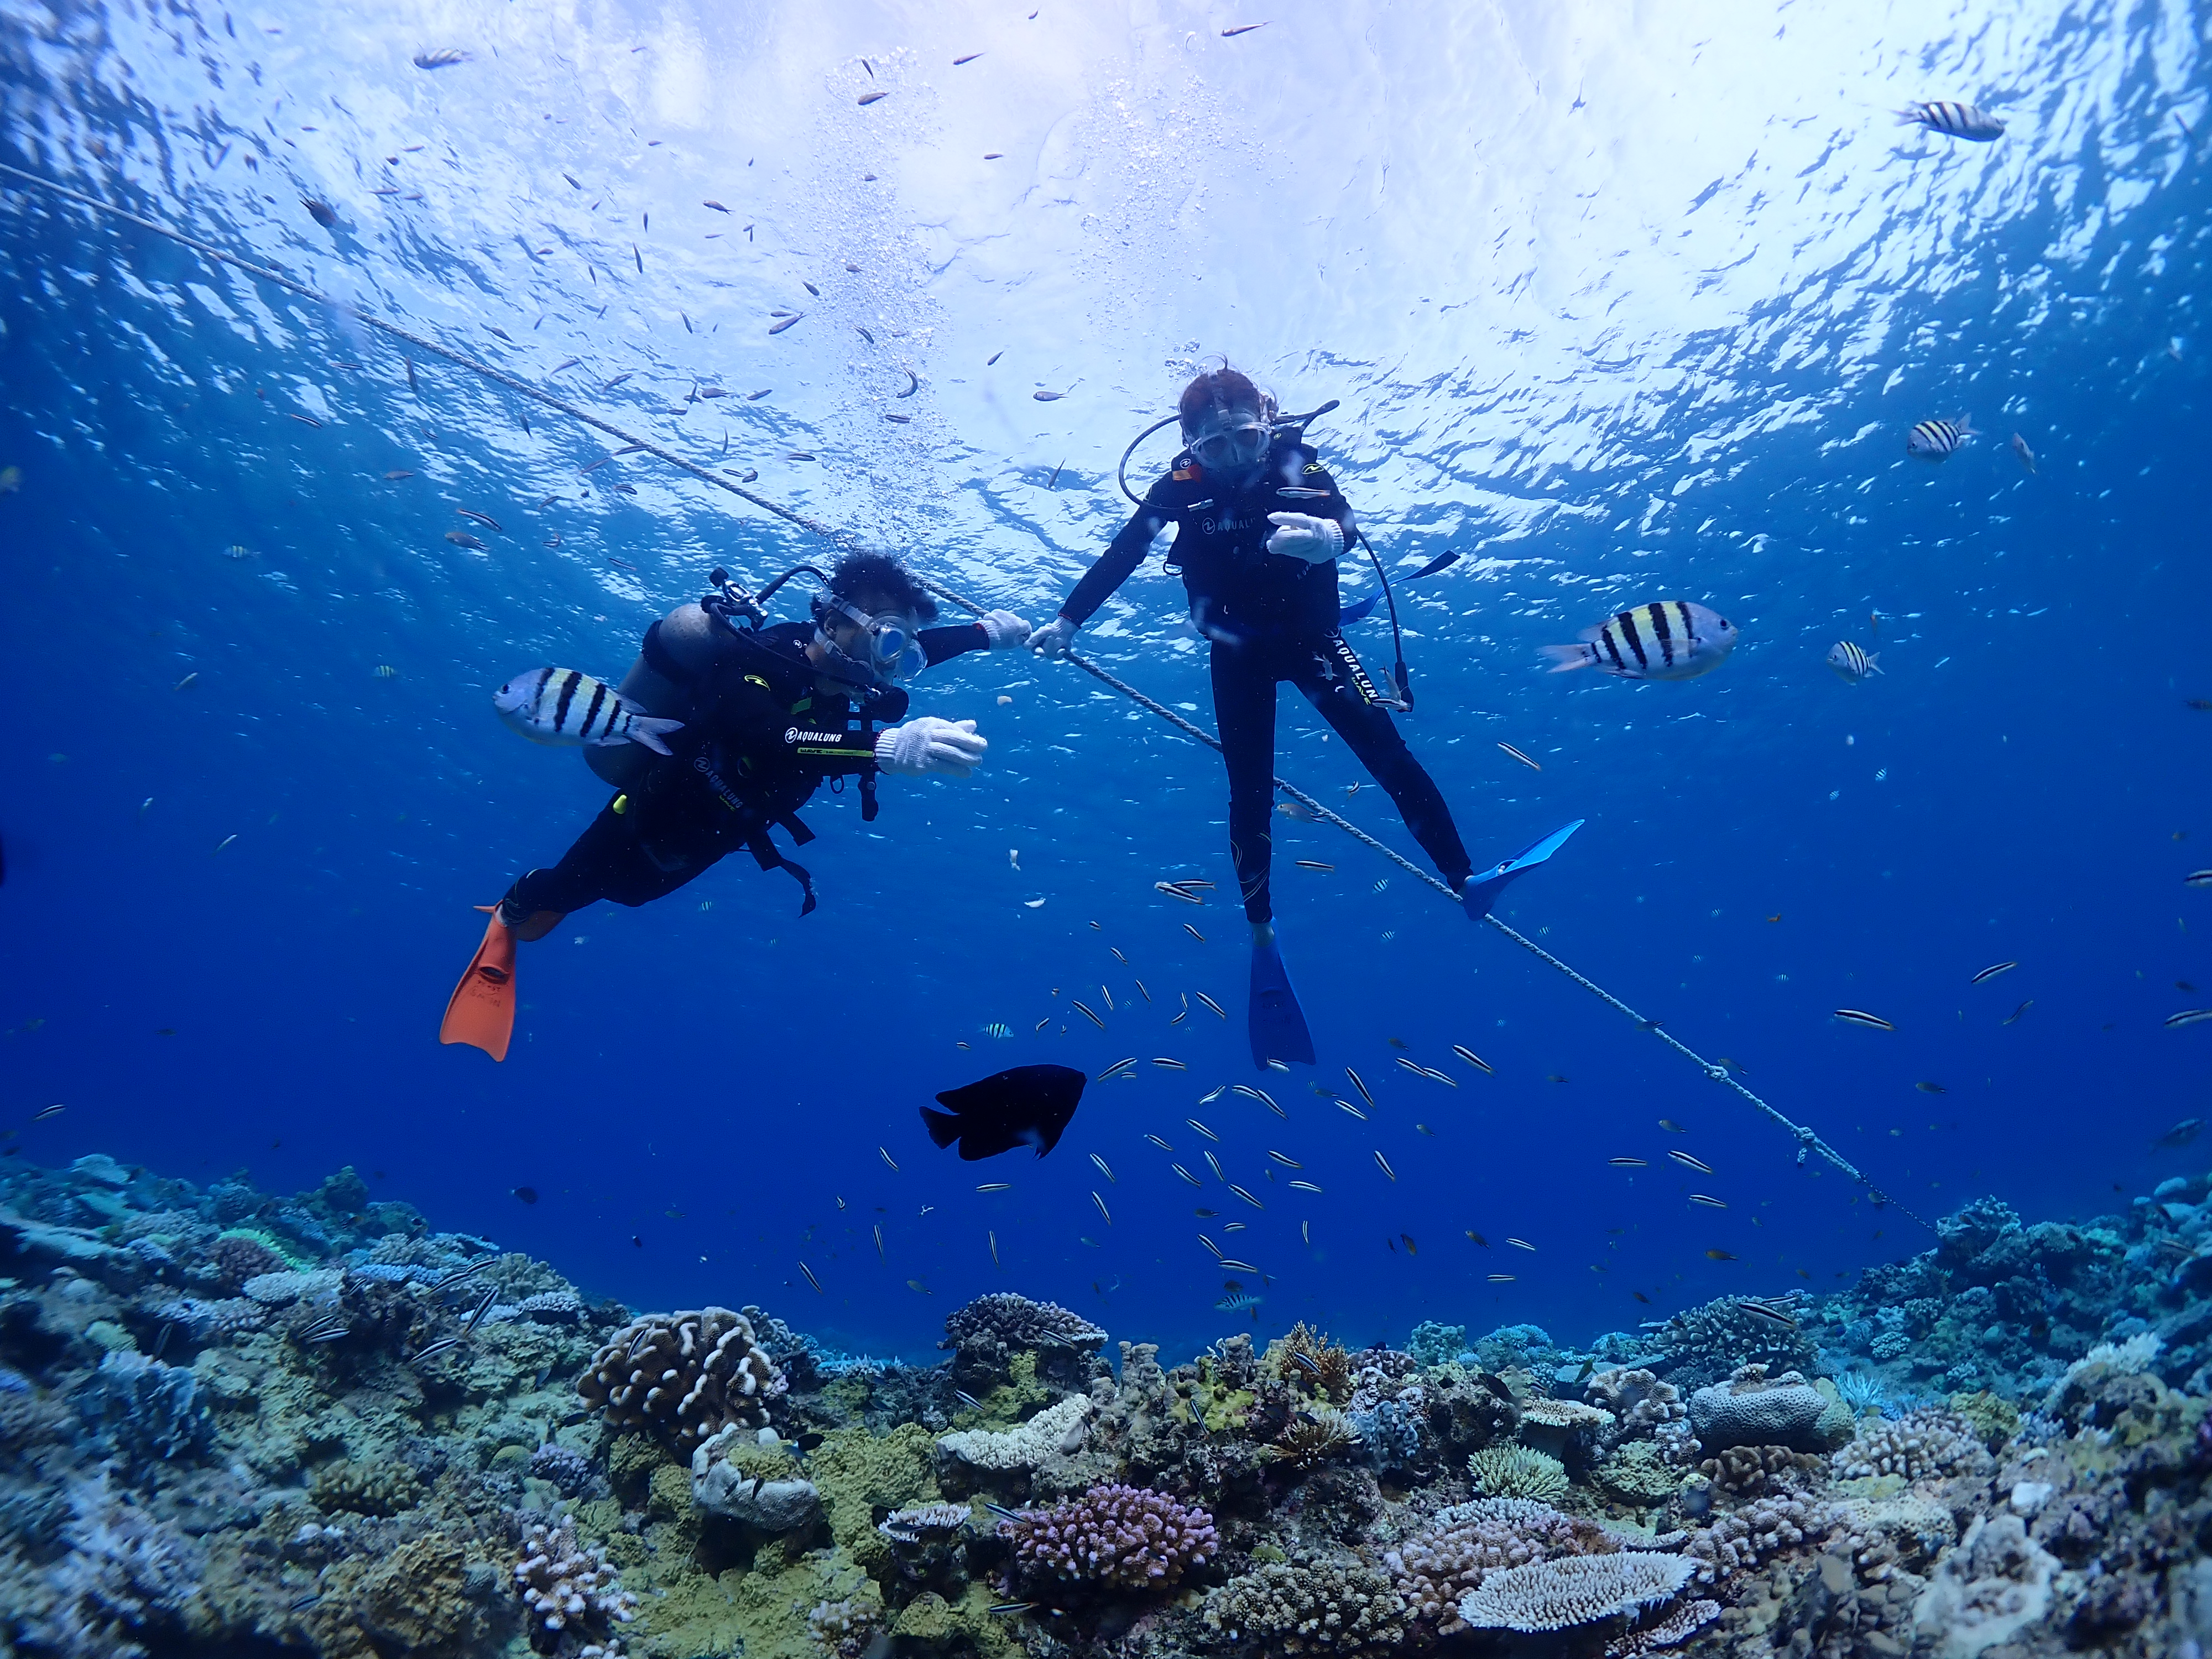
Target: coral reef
(684, 1376)
(237, 1423)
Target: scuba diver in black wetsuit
(1259, 526)
(767, 714)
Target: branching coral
(1463, 1544)
(1517, 1472)
(1307, 1360)
(144, 1412)
(1575, 1591)
(1747, 1471)
(1308, 1606)
(1930, 1442)
(1638, 1399)
(1004, 1320)
(1112, 1538)
(1312, 1437)
(685, 1376)
(566, 1587)
(1739, 1541)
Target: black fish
(321, 212)
(528, 1194)
(1028, 1106)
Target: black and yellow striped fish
(564, 706)
(1665, 639)
(1938, 440)
(1967, 121)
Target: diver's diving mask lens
(883, 647)
(1229, 438)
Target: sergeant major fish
(1965, 121)
(1665, 639)
(1938, 440)
(1850, 663)
(564, 706)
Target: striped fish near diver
(564, 706)
(1938, 440)
(1967, 121)
(1665, 639)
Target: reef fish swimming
(1026, 1106)
(565, 705)
(1938, 440)
(1967, 121)
(1665, 639)
(1850, 663)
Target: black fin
(944, 1126)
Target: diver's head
(865, 626)
(1228, 422)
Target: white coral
(1573, 1591)
(1025, 1447)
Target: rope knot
(1719, 1073)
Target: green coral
(668, 1495)
(1223, 1407)
(938, 1626)
(689, 1614)
(857, 1473)
(1011, 1403)
(1511, 1471)
(1639, 1474)
(364, 1489)
(631, 1461)
(1994, 1419)
(757, 1462)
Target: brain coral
(1112, 1538)
(1751, 1410)
(1307, 1606)
(1574, 1590)
(685, 1376)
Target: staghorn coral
(1747, 1471)
(1575, 1591)
(1437, 1567)
(1517, 1472)
(1753, 1409)
(1307, 1605)
(1111, 1540)
(682, 1376)
(1311, 1437)
(1051, 1430)
(566, 1588)
(1929, 1442)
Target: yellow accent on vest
(622, 804)
(755, 679)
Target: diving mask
(1228, 440)
(883, 647)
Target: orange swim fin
(481, 1011)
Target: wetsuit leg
(1244, 708)
(609, 861)
(1373, 737)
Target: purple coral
(565, 1467)
(1112, 1538)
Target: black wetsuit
(1271, 618)
(759, 737)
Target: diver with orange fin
(724, 727)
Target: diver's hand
(926, 744)
(1003, 630)
(1302, 536)
(1053, 638)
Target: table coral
(1465, 1543)
(1575, 1591)
(1024, 1447)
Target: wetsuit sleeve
(938, 644)
(1122, 555)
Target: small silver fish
(1938, 440)
(2026, 455)
(1689, 1163)
(442, 58)
(1995, 969)
(2187, 1017)
(1976, 125)
(1859, 1017)
(1850, 663)
(788, 322)
(564, 706)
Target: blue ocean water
(1619, 305)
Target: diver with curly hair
(743, 723)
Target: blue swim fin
(1278, 1023)
(1482, 890)
(1359, 609)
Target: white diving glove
(1002, 629)
(926, 745)
(1302, 536)
(1053, 638)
